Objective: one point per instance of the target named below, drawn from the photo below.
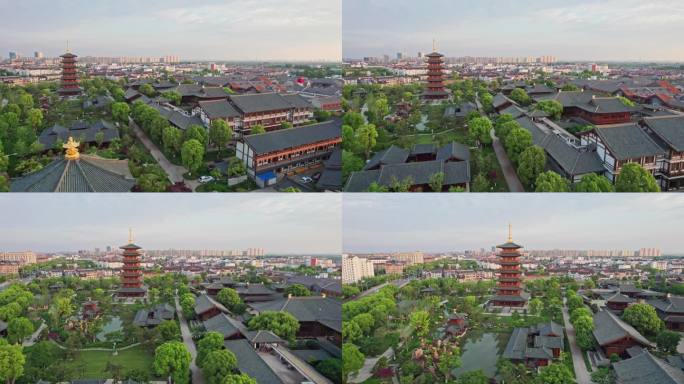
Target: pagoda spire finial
(68, 51)
(130, 235)
(71, 147)
(434, 45)
(510, 232)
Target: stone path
(173, 171)
(514, 184)
(366, 372)
(197, 377)
(32, 340)
(581, 373)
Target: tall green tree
(220, 134)
(531, 163)
(352, 360)
(634, 178)
(172, 139)
(516, 141)
(643, 317)
(366, 137)
(520, 96)
(297, 290)
(192, 155)
(172, 359)
(120, 112)
(555, 373)
(668, 341)
(228, 297)
(18, 329)
(420, 321)
(552, 107)
(479, 129)
(11, 362)
(218, 364)
(550, 181)
(211, 341)
(436, 182)
(594, 183)
(198, 133)
(282, 324)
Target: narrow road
(514, 184)
(173, 171)
(32, 339)
(581, 373)
(366, 372)
(197, 377)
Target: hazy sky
(279, 223)
(443, 222)
(191, 29)
(567, 29)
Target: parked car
(316, 176)
(306, 179)
(206, 179)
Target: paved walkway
(514, 184)
(581, 373)
(99, 349)
(302, 366)
(173, 171)
(197, 377)
(366, 372)
(32, 340)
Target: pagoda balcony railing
(131, 275)
(511, 263)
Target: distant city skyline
(230, 30)
(404, 222)
(281, 224)
(586, 30)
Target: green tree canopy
(520, 96)
(282, 324)
(220, 133)
(479, 129)
(238, 379)
(366, 137)
(420, 321)
(550, 181)
(173, 359)
(211, 341)
(634, 178)
(531, 163)
(643, 317)
(192, 155)
(552, 107)
(667, 341)
(516, 141)
(18, 329)
(352, 360)
(228, 297)
(297, 290)
(11, 362)
(594, 183)
(218, 364)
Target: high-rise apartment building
(355, 268)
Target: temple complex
(509, 288)
(131, 272)
(69, 84)
(435, 91)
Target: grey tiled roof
(420, 172)
(454, 150)
(297, 101)
(80, 131)
(361, 181)
(218, 109)
(260, 102)
(263, 336)
(670, 129)
(324, 310)
(672, 304)
(250, 363)
(204, 303)
(222, 324)
(513, 110)
(74, 176)
(647, 369)
(391, 155)
(500, 99)
(609, 328)
(627, 141)
(294, 137)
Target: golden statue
(71, 147)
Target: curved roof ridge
(61, 178)
(85, 176)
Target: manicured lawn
(92, 364)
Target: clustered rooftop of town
(514, 315)
(512, 124)
(143, 124)
(137, 316)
